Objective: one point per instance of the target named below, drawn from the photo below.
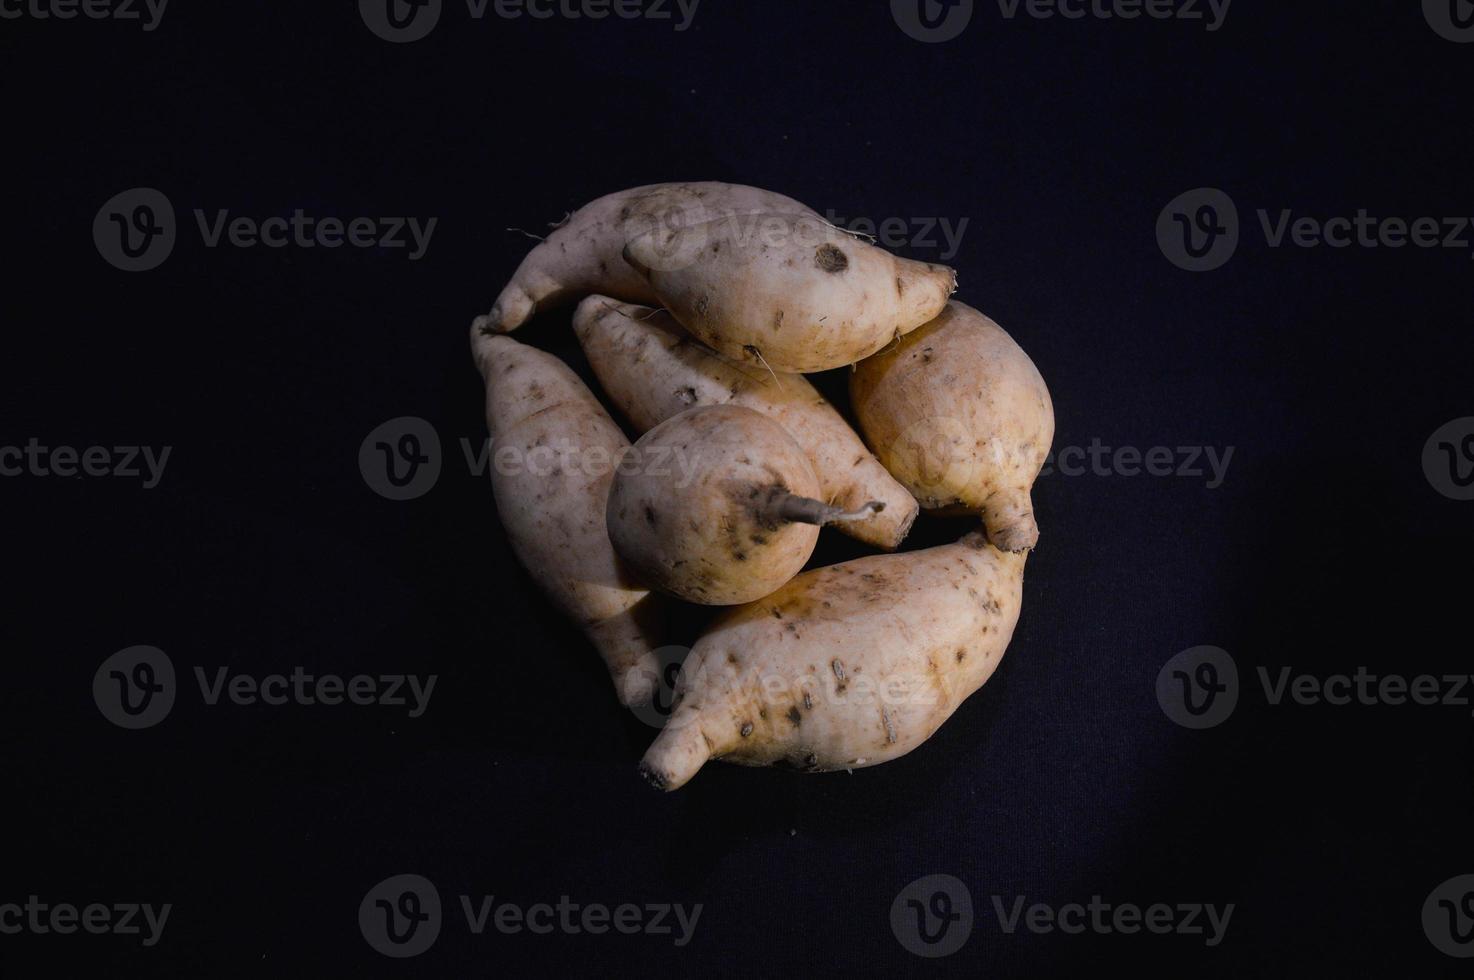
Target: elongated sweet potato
(789, 291)
(652, 370)
(554, 450)
(846, 666)
(959, 414)
(585, 253)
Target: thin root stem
(751, 349)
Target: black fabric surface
(262, 549)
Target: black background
(263, 548)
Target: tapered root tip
(640, 254)
(513, 308)
(636, 687)
(678, 754)
(1009, 519)
(627, 642)
(654, 778)
(1015, 538)
(903, 526)
(889, 525)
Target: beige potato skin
(846, 666)
(788, 291)
(585, 253)
(653, 370)
(553, 507)
(703, 529)
(959, 414)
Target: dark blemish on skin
(831, 259)
(961, 655)
(763, 713)
(625, 213)
(649, 515)
(900, 286)
(746, 729)
(795, 716)
(777, 613)
(926, 354)
(687, 395)
(778, 322)
(811, 760)
(859, 460)
(740, 555)
(758, 539)
(732, 659)
(604, 267)
(702, 305)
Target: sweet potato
(846, 666)
(554, 449)
(959, 414)
(788, 291)
(718, 507)
(585, 253)
(652, 370)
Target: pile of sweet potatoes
(702, 306)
